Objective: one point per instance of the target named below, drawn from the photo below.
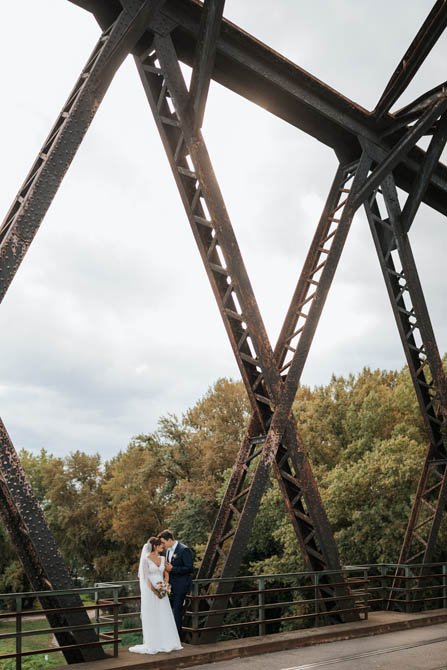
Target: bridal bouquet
(164, 589)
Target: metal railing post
(115, 621)
(407, 590)
(195, 613)
(18, 633)
(384, 592)
(444, 585)
(366, 598)
(97, 629)
(317, 599)
(261, 606)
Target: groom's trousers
(177, 599)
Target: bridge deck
(378, 623)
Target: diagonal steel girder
(427, 36)
(421, 181)
(165, 87)
(36, 548)
(291, 330)
(53, 160)
(292, 465)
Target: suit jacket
(182, 568)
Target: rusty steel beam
(204, 58)
(429, 33)
(37, 550)
(253, 70)
(40, 186)
(421, 182)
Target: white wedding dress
(157, 620)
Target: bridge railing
(104, 598)
(257, 605)
(261, 604)
(417, 586)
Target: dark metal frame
(378, 153)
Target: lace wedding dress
(159, 629)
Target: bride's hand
(154, 590)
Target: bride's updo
(155, 542)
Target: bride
(159, 629)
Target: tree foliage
(365, 439)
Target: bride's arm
(147, 578)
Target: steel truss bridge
(377, 153)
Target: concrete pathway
(415, 649)
(256, 649)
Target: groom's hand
(168, 566)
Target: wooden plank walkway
(377, 623)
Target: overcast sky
(110, 322)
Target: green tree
(369, 500)
(74, 501)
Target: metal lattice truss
(377, 152)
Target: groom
(179, 565)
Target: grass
(46, 640)
(30, 643)
(34, 642)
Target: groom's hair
(166, 535)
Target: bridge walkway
(413, 649)
(378, 624)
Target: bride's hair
(155, 541)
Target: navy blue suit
(181, 580)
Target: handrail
(253, 601)
(109, 603)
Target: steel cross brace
(271, 394)
(292, 328)
(388, 228)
